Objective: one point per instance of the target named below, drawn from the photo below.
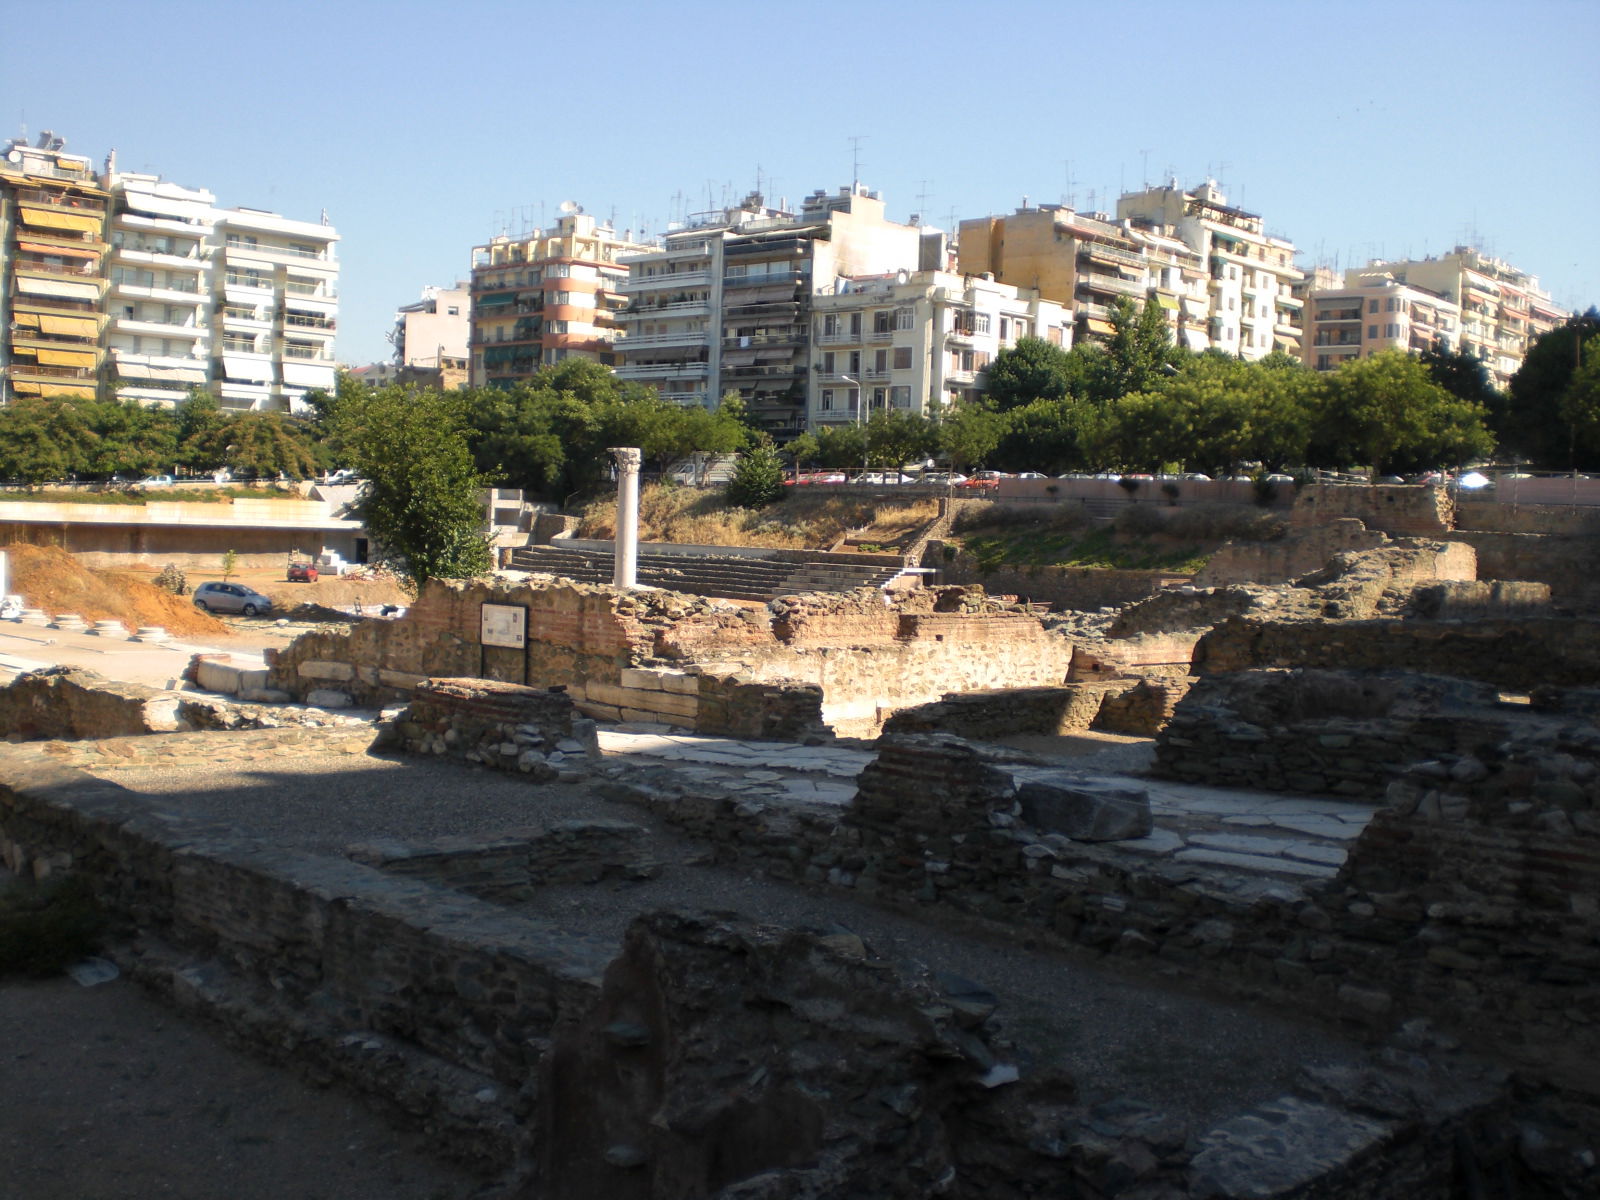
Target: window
(900, 397)
(1392, 304)
(880, 360)
(1372, 331)
(830, 325)
(881, 320)
(980, 322)
(1391, 330)
(855, 363)
(854, 398)
(903, 318)
(1372, 305)
(453, 311)
(902, 358)
(880, 397)
(828, 362)
(855, 324)
(827, 400)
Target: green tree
(230, 563)
(422, 496)
(45, 439)
(1532, 423)
(1138, 353)
(895, 438)
(200, 417)
(758, 478)
(969, 434)
(1387, 412)
(1031, 370)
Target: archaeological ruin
(1279, 881)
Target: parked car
(156, 481)
(230, 598)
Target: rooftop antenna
(855, 159)
(922, 197)
(1144, 168)
(1072, 185)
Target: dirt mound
(49, 578)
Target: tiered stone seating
(727, 576)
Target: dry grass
(800, 521)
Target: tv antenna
(855, 158)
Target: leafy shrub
(173, 579)
(46, 927)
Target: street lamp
(861, 416)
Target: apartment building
(1253, 309)
(917, 342)
(553, 295)
(1501, 309)
(53, 217)
(432, 335)
(152, 290)
(1374, 312)
(726, 303)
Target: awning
(246, 368)
(66, 389)
(51, 218)
(67, 358)
(188, 211)
(306, 375)
(58, 251)
(494, 300)
(24, 320)
(84, 327)
(1096, 325)
(32, 285)
(24, 387)
(1169, 302)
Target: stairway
(729, 577)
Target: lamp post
(861, 416)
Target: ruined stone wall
(62, 702)
(1398, 510)
(1299, 552)
(1080, 588)
(504, 726)
(1325, 732)
(999, 712)
(1518, 654)
(1568, 563)
(1492, 513)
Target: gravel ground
(1119, 1032)
(109, 1096)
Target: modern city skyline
(1359, 131)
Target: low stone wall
(1144, 709)
(1518, 655)
(1568, 563)
(1474, 600)
(1398, 510)
(1000, 712)
(514, 865)
(1317, 731)
(1080, 588)
(500, 725)
(1299, 552)
(201, 748)
(69, 702)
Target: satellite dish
(568, 206)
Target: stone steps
(731, 578)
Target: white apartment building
(431, 335)
(916, 342)
(725, 304)
(1253, 309)
(275, 309)
(1374, 312)
(159, 332)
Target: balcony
(21, 368)
(1095, 252)
(85, 308)
(642, 371)
(287, 254)
(314, 291)
(87, 270)
(1094, 281)
(655, 283)
(881, 335)
(132, 220)
(682, 337)
(683, 308)
(135, 325)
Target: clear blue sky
(1356, 129)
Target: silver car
(230, 598)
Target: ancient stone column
(627, 564)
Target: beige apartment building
(1374, 312)
(553, 295)
(1253, 308)
(432, 335)
(917, 342)
(1501, 309)
(54, 213)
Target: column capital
(629, 459)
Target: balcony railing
(310, 322)
(35, 267)
(89, 204)
(650, 283)
(306, 352)
(1095, 251)
(87, 307)
(23, 367)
